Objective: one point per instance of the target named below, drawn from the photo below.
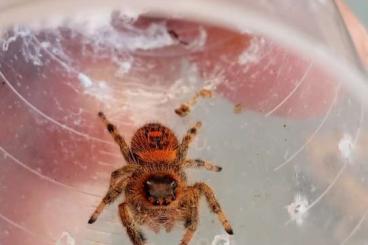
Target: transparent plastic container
(287, 119)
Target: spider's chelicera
(154, 183)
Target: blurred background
(360, 8)
(288, 128)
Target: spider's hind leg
(124, 148)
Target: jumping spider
(154, 182)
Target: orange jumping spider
(154, 182)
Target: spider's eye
(173, 184)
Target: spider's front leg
(187, 139)
(134, 233)
(205, 190)
(117, 183)
(124, 148)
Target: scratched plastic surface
(291, 136)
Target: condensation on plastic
(294, 158)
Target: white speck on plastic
(85, 80)
(65, 239)
(200, 41)
(5, 44)
(346, 146)
(222, 239)
(124, 67)
(98, 89)
(155, 36)
(129, 15)
(253, 53)
(298, 209)
(45, 45)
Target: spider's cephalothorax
(154, 183)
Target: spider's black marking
(193, 131)
(188, 222)
(110, 127)
(91, 220)
(229, 231)
(199, 162)
(115, 174)
(216, 208)
(141, 236)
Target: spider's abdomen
(154, 143)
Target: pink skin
(62, 160)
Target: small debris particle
(205, 93)
(238, 108)
(173, 34)
(176, 36)
(257, 195)
(183, 110)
